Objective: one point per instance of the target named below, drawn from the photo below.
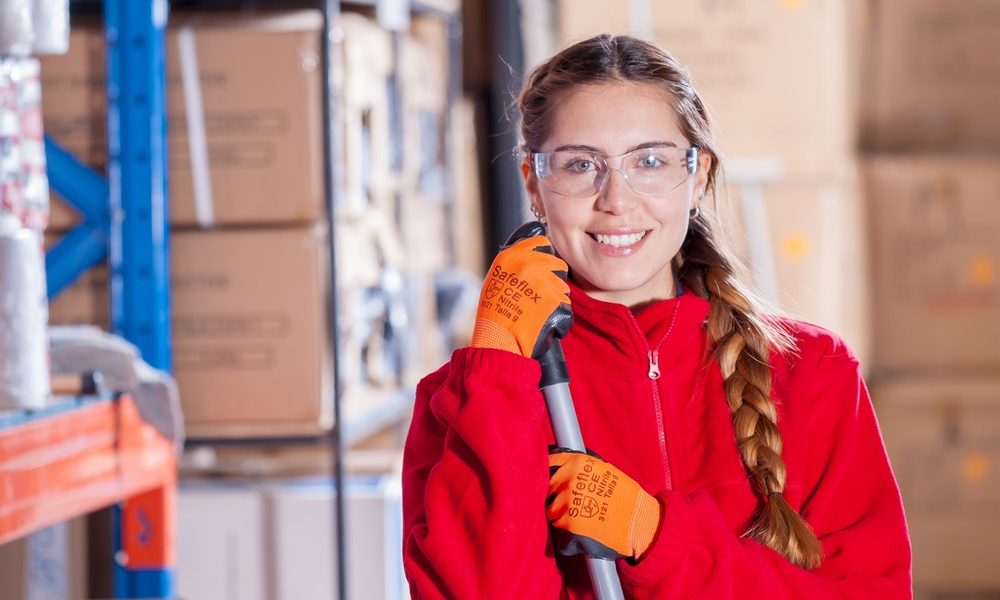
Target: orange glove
(524, 303)
(598, 510)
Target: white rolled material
(24, 372)
(16, 29)
(50, 19)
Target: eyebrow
(585, 148)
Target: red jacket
(475, 467)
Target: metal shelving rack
(125, 220)
(80, 455)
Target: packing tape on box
(201, 176)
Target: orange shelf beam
(73, 462)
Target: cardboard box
(425, 235)
(941, 435)
(425, 349)
(422, 204)
(806, 247)
(241, 539)
(221, 547)
(935, 251)
(250, 343)
(50, 563)
(303, 526)
(467, 224)
(251, 351)
(371, 107)
(934, 82)
(775, 76)
(424, 75)
(257, 81)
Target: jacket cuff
(513, 368)
(664, 554)
(479, 378)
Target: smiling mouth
(619, 241)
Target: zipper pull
(654, 364)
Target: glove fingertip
(544, 247)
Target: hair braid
(743, 342)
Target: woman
(734, 455)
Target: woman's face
(612, 119)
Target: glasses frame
(540, 164)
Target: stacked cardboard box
(241, 539)
(250, 348)
(936, 252)
(244, 135)
(932, 179)
(245, 179)
(778, 83)
(941, 435)
(50, 563)
(249, 249)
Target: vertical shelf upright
(125, 220)
(138, 248)
(332, 184)
(137, 182)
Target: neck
(636, 299)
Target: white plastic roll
(51, 24)
(34, 179)
(11, 200)
(24, 371)
(16, 29)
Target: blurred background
(277, 216)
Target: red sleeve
(851, 500)
(475, 476)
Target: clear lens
(648, 171)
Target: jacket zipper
(653, 354)
(654, 364)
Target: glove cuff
(645, 524)
(488, 334)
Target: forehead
(614, 117)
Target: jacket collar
(674, 322)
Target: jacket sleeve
(475, 473)
(851, 501)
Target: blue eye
(651, 161)
(582, 165)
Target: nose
(615, 196)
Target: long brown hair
(743, 337)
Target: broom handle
(555, 387)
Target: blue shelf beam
(87, 244)
(83, 187)
(137, 167)
(80, 249)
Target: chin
(613, 282)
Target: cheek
(562, 219)
(560, 240)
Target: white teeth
(619, 240)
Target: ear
(705, 160)
(531, 184)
